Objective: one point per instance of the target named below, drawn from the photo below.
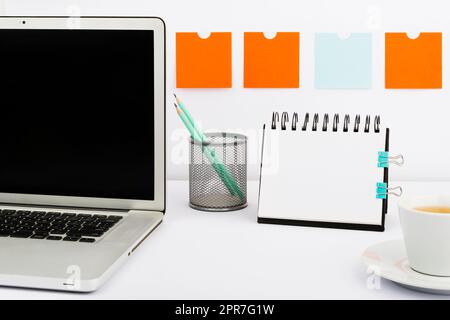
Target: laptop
(82, 136)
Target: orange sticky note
(271, 63)
(203, 63)
(413, 63)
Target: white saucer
(388, 260)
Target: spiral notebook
(325, 171)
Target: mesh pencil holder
(218, 172)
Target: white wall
(419, 119)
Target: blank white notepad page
(321, 176)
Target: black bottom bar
(317, 224)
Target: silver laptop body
(82, 180)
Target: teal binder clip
(382, 190)
(384, 159)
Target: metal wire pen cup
(218, 172)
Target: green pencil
(218, 167)
(229, 180)
(188, 115)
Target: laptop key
(41, 234)
(26, 231)
(68, 214)
(87, 240)
(39, 213)
(53, 214)
(90, 225)
(58, 231)
(92, 232)
(27, 225)
(21, 234)
(38, 236)
(54, 238)
(115, 217)
(75, 234)
(43, 226)
(23, 213)
(44, 221)
(71, 239)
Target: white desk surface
(200, 255)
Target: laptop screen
(77, 113)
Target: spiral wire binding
(335, 122)
(315, 122)
(284, 119)
(346, 122)
(367, 124)
(275, 119)
(294, 121)
(326, 121)
(305, 122)
(357, 121)
(376, 124)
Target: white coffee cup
(426, 234)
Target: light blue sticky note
(343, 63)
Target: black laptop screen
(77, 113)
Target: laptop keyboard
(55, 226)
